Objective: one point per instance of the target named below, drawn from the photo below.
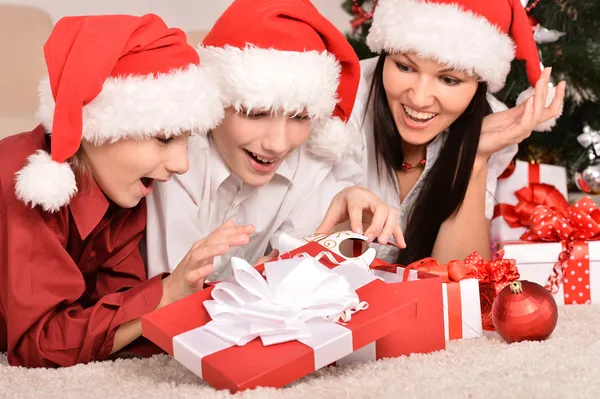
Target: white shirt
(189, 207)
(387, 188)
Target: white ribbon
(277, 308)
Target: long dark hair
(447, 180)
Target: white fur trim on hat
(333, 139)
(144, 106)
(43, 182)
(445, 32)
(292, 81)
(550, 123)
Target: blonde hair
(80, 166)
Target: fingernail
(383, 239)
(370, 238)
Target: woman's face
(126, 169)
(253, 144)
(424, 96)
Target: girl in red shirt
(122, 96)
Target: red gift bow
(453, 271)
(493, 276)
(573, 227)
(530, 198)
(498, 271)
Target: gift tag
(349, 245)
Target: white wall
(188, 15)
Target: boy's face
(254, 143)
(126, 169)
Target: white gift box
(581, 275)
(523, 174)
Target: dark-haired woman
(433, 147)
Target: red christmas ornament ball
(524, 311)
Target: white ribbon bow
(277, 309)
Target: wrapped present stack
(460, 285)
(561, 251)
(273, 324)
(552, 242)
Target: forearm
(467, 230)
(126, 334)
(75, 335)
(130, 331)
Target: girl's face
(126, 169)
(254, 143)
(424, 96)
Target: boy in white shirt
(284, 151)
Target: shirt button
(92, 254)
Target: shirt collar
(88, 206)
(289, 166)
(219, 171)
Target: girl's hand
(188, 277)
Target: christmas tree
(568, 37)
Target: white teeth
(422, 116)
(263, 160)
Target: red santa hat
(285, 55)
(478, 36)
(112, 77)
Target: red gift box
(176, 328)
(423, 333)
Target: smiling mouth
(146, 181)
(419, 117)
(259, 159)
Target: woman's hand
(512, 126)
(188, 277)
(351, 203)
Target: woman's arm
(468, 229)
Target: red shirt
(67, 279)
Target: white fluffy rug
(565, 366)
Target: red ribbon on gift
(530, 198)
(573, 227)
(533, 172)
(451, 274)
